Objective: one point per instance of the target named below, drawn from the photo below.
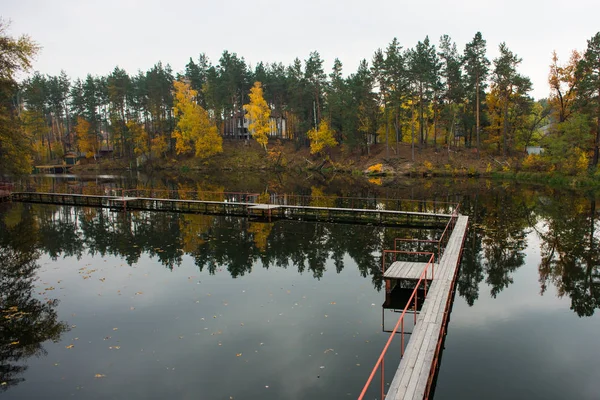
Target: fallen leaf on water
(138, 293)
(327, 351)
(114, 329)
(70, 346)
(102, 279)
(242, 324)
(238, 355)
(14, 343)
(99, 376)
(333, 302)
(50, 288)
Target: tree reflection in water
(567, 226)
(25, 321)
(570, 259)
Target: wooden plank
(413, 373)
(420, 363)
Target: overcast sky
(84, 36)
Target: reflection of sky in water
(520, 344)
(180, 332)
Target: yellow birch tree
(321, 139)
(258, 114)
(194, 130)
(86, 140)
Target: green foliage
(15, 56)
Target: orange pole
(402, 340)
(382, 378)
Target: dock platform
(414, 376)
(405, 270)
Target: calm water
(97, 304)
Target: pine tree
(477, 67)
(588, 72)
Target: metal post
(402, 337)
(416, 295)
(382, 377)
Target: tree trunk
(421, 137)
(387, 132)
(477, 112)
(597, 144)
(412, 130)
(505, 128)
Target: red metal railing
(380, 364)
(439, 243)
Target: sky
(93, 37)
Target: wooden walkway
(405, 270)
(251, 210)
(418, 366)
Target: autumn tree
(15, 56)
(562, 81)
(194, 128)
(321, 139)
(87, 141)
(140, 139)
(259, 114)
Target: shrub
(375, 169)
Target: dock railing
(439, 244)
(398, 328)
(368, 203)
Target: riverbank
(380, 162)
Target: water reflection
(26, 321)
(567, 226)
(569, 250)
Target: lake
(101, 304)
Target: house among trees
(236, 127)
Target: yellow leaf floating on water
(70, 346)
(114, 329)
(99, 376)
(14, 343)
(138, 293)
(333, 302)
(238, 355)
